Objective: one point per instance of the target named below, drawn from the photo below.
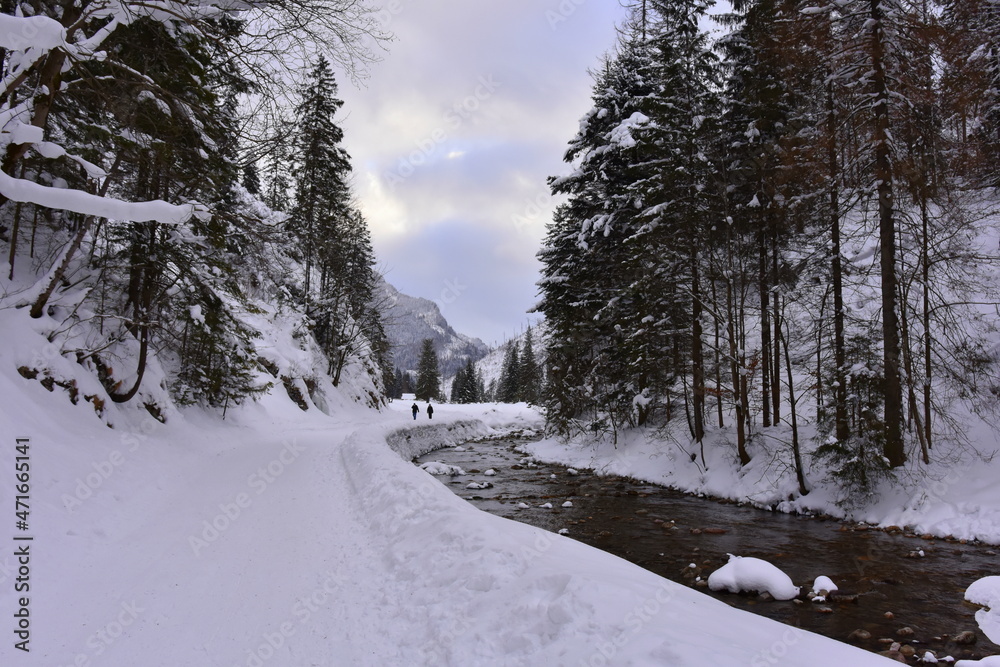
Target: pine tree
(251, 179)
(398, 385)
(458, 386)
(428, 385)
(674, 186)
(530, 373)
(584, 259)
(321, 172)
(508, 388)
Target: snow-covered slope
(490, 366)
(410, 319)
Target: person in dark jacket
(415, 410)
(430, 411)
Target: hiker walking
(415, 410)
(430, 411)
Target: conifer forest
(784, 226)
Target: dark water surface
(885, 584)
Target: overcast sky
(453, 135)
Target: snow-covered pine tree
(321, 171)
(969, 47)
(673, 189)
(584, 256)
(509, 385)
(458, 386)
(428, 385)
(530, 372)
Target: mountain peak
(411, 319)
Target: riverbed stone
(905, 632)
(966, 638)
(859, 635)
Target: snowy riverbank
(295, 538)
(956, 496)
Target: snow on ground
(282, 537)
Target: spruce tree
(428, 386)
(321, 171)
(458, 386)
(508, 388)
(530, 373)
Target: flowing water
(896, 587)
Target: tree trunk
(697, 351)
(893, 448)
(842, 427)
(793, 415)
(928, 368)
(739, 385)
(718, 358)
(765, 334)
(776, 304)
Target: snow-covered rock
(752, 575)
(438, 468)
(986, 592)
(822, 587)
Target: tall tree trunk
(928, 341)
(894, 449)
(697, 350)
(910, 392)
(735, 368)
(776, 304)
(842, 426)
(793, 415)
(765, 333)
(718, 357)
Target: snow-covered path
(288, 538)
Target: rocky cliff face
(409, 320)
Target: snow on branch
(19, 33)
(77, 201)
